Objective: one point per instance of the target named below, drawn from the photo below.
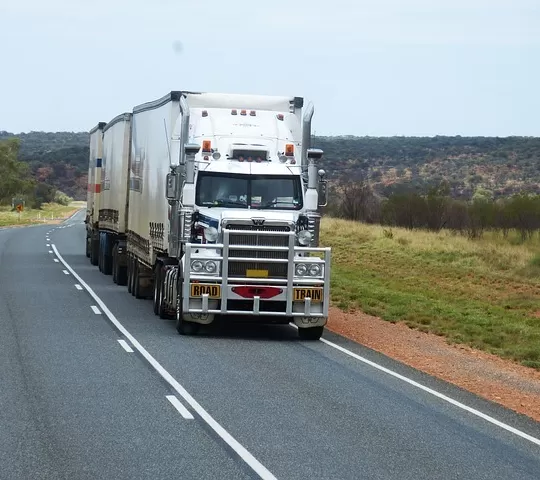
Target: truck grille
(275, 270)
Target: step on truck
(213, 209)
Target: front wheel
(312, 333)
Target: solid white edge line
(77, 286)
(125, 345)
(181, 409)
(492, 420)
(253, 463)
(95, 310)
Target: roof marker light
(280, 116)
(234, 112)
(252, 113)
(243, 112)
(204, 113)
(206, 146)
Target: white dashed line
(56, 260)
(181, 409)
(48, 245)
(96, 310)
(50, 251)
(240, 450)
(77, 286)
(125, 346)
(65, 272)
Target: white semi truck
(214, 209)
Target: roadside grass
(484, 293)
(49, 213)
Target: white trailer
(93, 192)
(234, 230)
(114, 204)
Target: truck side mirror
(171, 186)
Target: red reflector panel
(262, 292)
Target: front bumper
(220, 295)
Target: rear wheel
(312, 333)
(130, 275)
(138, 292)
(88, 247)
(115, 264)
(157, 289)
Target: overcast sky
(371, 67)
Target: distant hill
(392, 164)
(59, 159)
(501, 165)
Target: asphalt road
(259, 402)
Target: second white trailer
(114, 200)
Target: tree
(14, 175)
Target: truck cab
(251, 222)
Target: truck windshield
(248, 191)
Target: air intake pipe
(306, 132)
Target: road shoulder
(501, 381)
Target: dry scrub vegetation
(483, 292)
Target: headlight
(303, 237)
(211, 234)
(210, 267)
(314, 270)
(301, 269)
(197, 266)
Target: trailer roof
(126, 117)
(99, 126)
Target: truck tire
(312, 333)
(105, 265)
(130, 274)
(157, 289)
(121, 275)
(136, 282)
(88, 247)
(115, 263)
(94, 251)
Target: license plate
(300, 294)
(199, 289)
(257, 273)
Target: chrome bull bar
(289, 283)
